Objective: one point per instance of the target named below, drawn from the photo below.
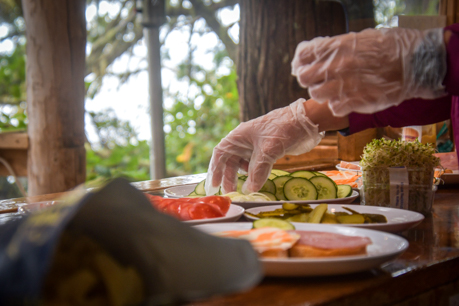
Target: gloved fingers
(215, 172)
(304, 55)
(259, 171)
(229, 182)
(244, 166)
(308, 52)
(331, 89)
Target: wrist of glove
(260, 143)
(372, 70)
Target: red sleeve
(409, 112)
(451, 80)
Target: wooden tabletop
(427, 272)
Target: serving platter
(384, 247)
(234, 213)
(185, 190)
(398, 220)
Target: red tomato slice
(192, 208)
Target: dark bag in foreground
(175, 262)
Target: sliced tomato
(192, 208)
(204, 211)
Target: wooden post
(450, 9)
(56, 42)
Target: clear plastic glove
(372, 70)
(255, 145)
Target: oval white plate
(398, 220)
(346, 169)
(450, 178)
(234, 213)
(385, 247)
(28, 208)
(183, 191)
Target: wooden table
(427, 273)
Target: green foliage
(195, 127)
(12, 76)
(118, 153)
(130, 161)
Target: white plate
(29, 208)
(346, 169)
(183, 191)
(234, 213)
(450, 178)
(398, 220)
(385, 247)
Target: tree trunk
(270, 32)
(56, 41)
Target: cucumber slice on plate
(271, 196)
(344, 191)
(319, 173)
(240, 182)
(303, 173)
(269, 187)
(299, 188)
(199, 189)
(279, 172)
(325, 186)
(279, 182)
(272, 176)
(273, 222)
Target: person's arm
(451, 81)
(372, 70)
(418, 111)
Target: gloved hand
(255, 145)
(372, 70)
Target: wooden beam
(17, 159)
(14, 140)
(450, 9)
(56, 42)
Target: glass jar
(375, 188)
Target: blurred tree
(270, 33)
(110, 35)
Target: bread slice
(274, 253)
(299, 250)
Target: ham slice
(325, 240)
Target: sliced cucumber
(290, 206)
(273, 222)
(269, 195)
(325, 186)
(240, 182)
(303, 173)
(199, 189)
(344, 191)
(272, 176)
(193, 194)
(319, 173)
(279, 172)
(269, 187)
(299, 188)
(279, 182)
